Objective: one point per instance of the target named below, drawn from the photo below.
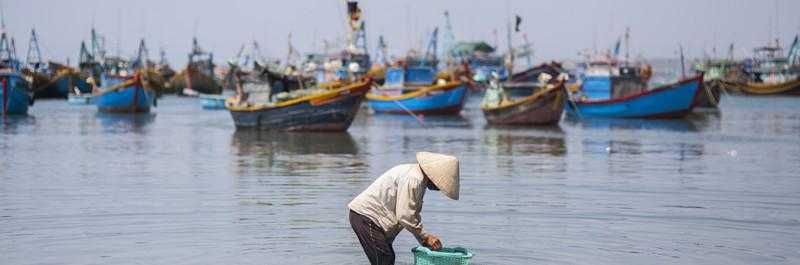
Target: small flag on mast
(519, 21)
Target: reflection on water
(125, 122)
(11, 123)
(678, 125)
(535, 140)
(267, 152)
(409, 121)
(188, 188)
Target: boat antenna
(683, 64)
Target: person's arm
(409, 204)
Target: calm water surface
(182, 186)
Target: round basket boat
(445, 256)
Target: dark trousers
(376, 246)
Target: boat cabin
(412, 76)
(769, 65)
(604, 80)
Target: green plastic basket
(445, 256)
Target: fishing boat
(122, 91)
(16, 94)
(322, 110)
(36, 70)
(669, 101)
(481, 59)
(412, 89)
(610, 88)
(543, 107)
(50, 79)
(537, 97)
(166, 73)
(411, 86)
(716, 73)
(199, 73)
(770, 73)
(526, 82)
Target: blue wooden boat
(15, 93)
(669, 101)
(212, 102)
(123, 94)
(411, 89)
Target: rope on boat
(416, 93)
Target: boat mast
(683, 64)
(430, 52)
(447, 39)
(527, 50)
(627, 44)
(7, 54)
(510, 63)
(357, 35)
(256, 55)
(142, 55)
(380, 51)
(98, 47)
(730, 52)
(34, 57)
(163, 57)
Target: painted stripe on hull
(440, 103)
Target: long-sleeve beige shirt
(394, 201)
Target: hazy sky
(557, 28)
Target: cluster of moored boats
(325, 91)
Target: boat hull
(438, 102)
(671, 101)
(199, 82)
(129, 99)
(785, 88)
(544, 108)
(61, 85)
(327, 115)
(14, 97)
(710, 95)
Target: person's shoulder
(402, 167)
(406, 171)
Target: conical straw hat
(442, 170)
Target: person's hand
(432, 242)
